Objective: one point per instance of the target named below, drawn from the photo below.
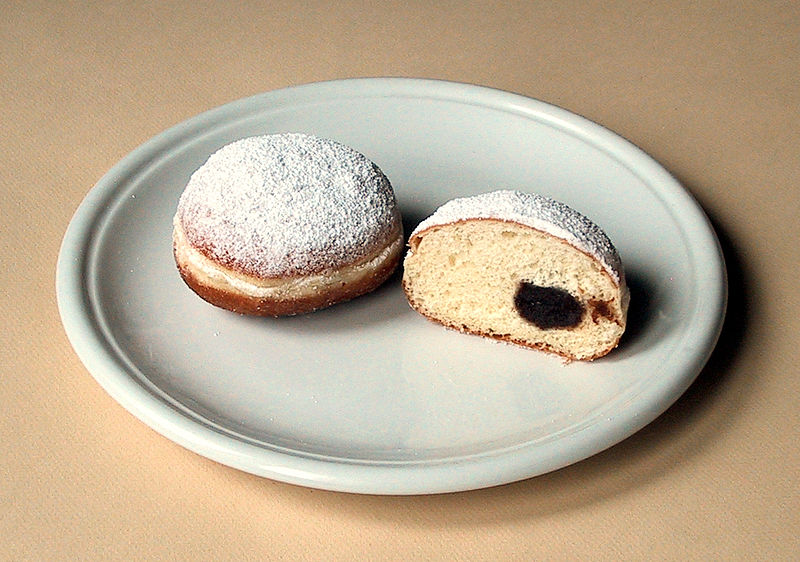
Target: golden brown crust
(264, 306)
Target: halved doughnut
(521, 268)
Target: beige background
(710, 89)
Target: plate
(368, 396)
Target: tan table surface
(710, 89)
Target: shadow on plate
(640, 309)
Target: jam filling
(547, 307)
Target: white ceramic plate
(368, 396)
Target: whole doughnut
(284, 224)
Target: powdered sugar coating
(288, 204)
(536, 211)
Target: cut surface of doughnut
(519, 268)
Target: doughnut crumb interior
(521, 268)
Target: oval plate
(367, 396)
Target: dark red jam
(547, 307)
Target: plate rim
(88, 338)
